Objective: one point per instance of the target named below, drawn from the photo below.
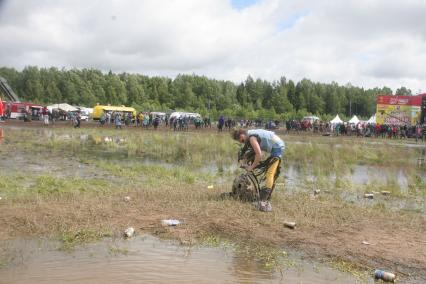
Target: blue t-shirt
(269, 141)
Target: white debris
(369, 195)
(170, 222)
(129, 232)
(290, 225)
(127, 198)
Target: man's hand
(248, 168)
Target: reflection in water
(149, 260)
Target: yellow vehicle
(100, 109)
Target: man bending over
(262, 140)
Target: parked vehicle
(99, 110)
(17, 110)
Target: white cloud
(367, 43)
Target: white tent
(87, 110)
(372, 119)
(178, 114)
(336, 120)
(354, 120)
(159, 114)
(311, 118)
(64, 107)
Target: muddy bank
(398, 244)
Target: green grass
(18, 186)
(71, 239)
(197, 149)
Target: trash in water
(290, 225)
(366, 243)
(129, 232)
(210, 186)
(127, 198)
(385, 192)
(385, 276)
(170, 222)
(369, 195)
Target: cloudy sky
(363, 42)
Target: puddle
(358, 181)
(48, 164)
(150, 260)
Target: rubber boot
(265, 194)
(264, 204)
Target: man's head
(240, 135)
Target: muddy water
(150, 260)
(359, 175)
(357, 182)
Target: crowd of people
(183, 123)
(360, 129)
(148, 120)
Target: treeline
(252, 99)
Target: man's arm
(258, 153)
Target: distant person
(2, 112)
(140, 119)
(102, 120)
(221, 123)
(156, 122)
(117, 121)
(45, 114)
(77, 120)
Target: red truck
(18, 110)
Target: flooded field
(349, 181)
(68, 185)
(149, 260)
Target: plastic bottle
(385, 276)
(170, 222)
(369, 195)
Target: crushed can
(384, 275)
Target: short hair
(236, 134)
